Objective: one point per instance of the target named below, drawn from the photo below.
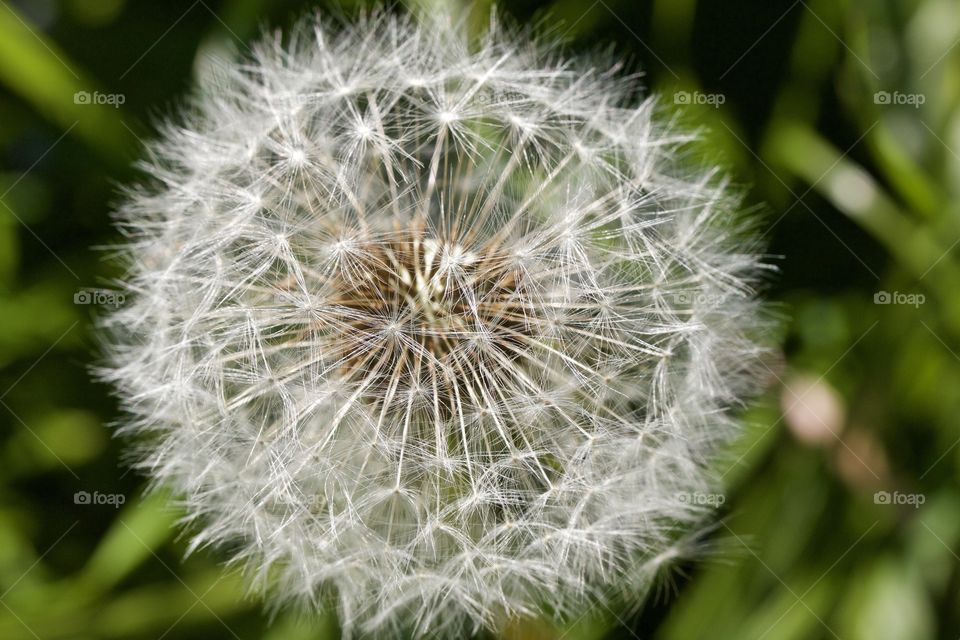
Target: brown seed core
(428, 306)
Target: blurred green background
(840, 514)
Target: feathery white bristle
(442, 333)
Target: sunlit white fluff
(435, 334)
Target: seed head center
(428, 304)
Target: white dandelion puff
(432, 333)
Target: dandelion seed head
(429, 332)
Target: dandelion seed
(432, 334)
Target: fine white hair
(432, 332)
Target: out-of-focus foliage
(840, 516)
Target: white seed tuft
(440, 334)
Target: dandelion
(433, 334)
